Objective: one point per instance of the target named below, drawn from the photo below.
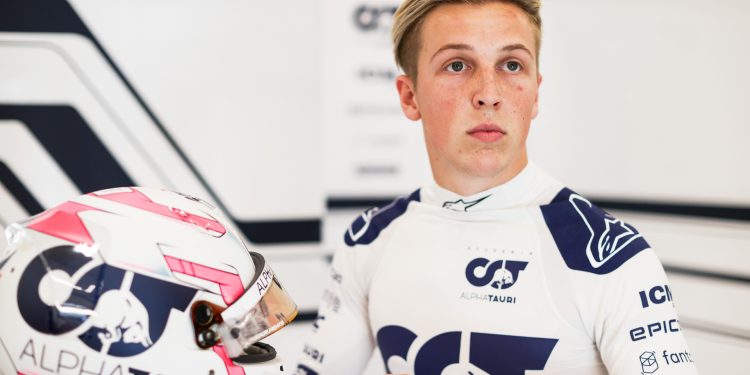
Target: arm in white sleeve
(622, 291)
(341, 341)
(637, 329)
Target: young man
(496, 268)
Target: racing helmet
(136, 281)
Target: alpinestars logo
(605, 242)
(500, 274)
(462, 206)
(120, 313)
(366, 220)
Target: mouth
(487, 133)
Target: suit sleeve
(341, 342)
(637, 329)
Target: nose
(487, 93)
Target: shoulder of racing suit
(367, 226)
(589, 238)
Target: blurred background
(286, 115)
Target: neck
(469, 184)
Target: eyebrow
(466, 47)
(456, 46)
(513, 47)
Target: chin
(486, 167)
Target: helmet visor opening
(263, 309)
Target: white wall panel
(54, 69)
(717, 354)
(236, 83)
(646, 99)
(370, 148)
(720, 246)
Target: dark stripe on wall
(697, 210)
(71, 142)
(358, 203)
(40, 16)
(690, 210)
(89, 164)
(707, 274)
(292, 231)
(57, 16)
(306, 316)
(19, 191)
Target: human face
(476, 93)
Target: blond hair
(408, 20)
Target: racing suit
(527, 277)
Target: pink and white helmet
(136, 281)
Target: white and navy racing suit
(527, 277)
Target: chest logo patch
(500, 274)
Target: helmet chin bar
(256, 353)
(263, 309)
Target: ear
(407, 95)
(535, 110)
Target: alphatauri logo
(500, 274)
(125, 312)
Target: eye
(513, 66)
(456, 66)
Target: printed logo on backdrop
(500, 275)
(383, 74)
(120, 313)
(374, 18)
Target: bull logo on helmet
(123, 318)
